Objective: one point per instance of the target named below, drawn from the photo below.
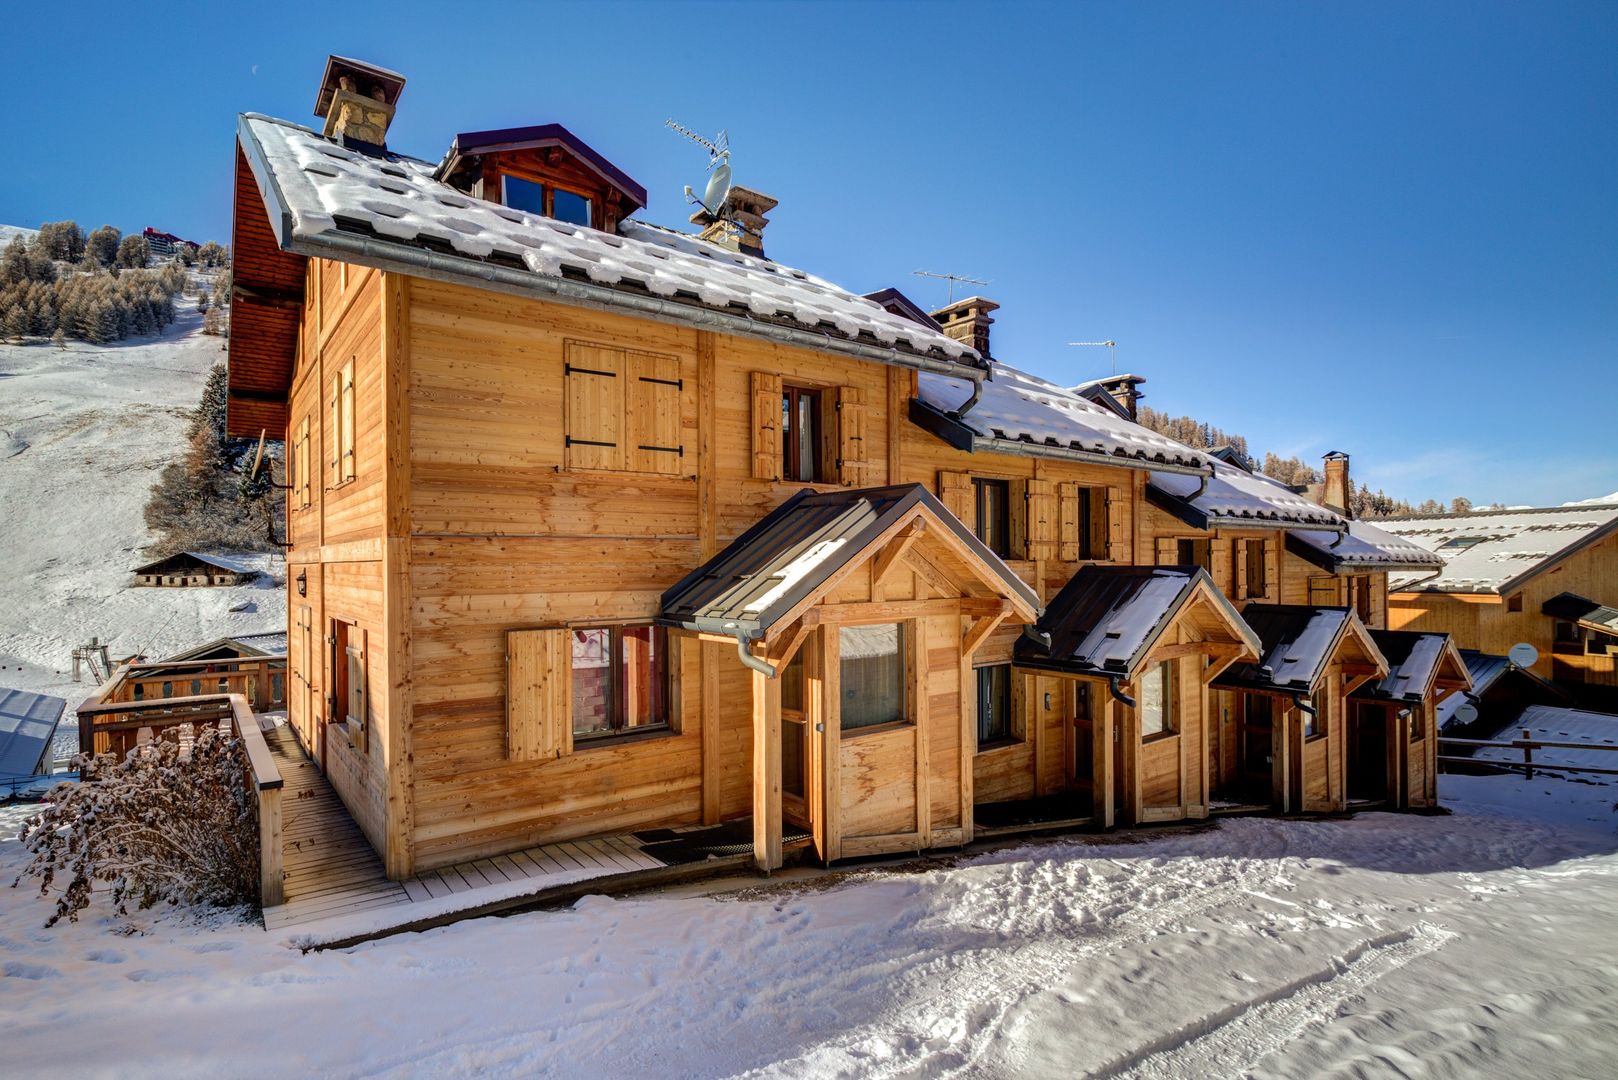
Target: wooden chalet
(598, 527)
(1546, 577)
(190, 568)
(1391, 724)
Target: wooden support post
(1101, 782)
(766, 772)
(830, 659)
(710, 733)
(922, 727)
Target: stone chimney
(357, 100)
(968, 322)
(1334, 494)
(741, 221)
(1125, 390)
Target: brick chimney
(967, 321)
(1334, 494)
(357, 100)
(741, 221)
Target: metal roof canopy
(27, 727)
(1416, 665)
(1107, 619)
(797, 548)
(1298, 645)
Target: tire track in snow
(1232, 1040)
(949, 1024)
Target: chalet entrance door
(1368, 752)
(1255, 748)
(1081, 740)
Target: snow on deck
(1552, 723)
(1486, 550)
(1477, 943)
(398, 199)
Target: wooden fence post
(1527, 754)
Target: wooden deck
(332, 871)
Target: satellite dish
(1466, 713)
(1523, 655)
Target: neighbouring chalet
(597, 526)
(190, 568)
(1547, 577)
(1501, 691)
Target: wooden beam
(780, 653)
(897, 610)
(710, 732)
(1101, 781)
(928, 571)
(982, 628)
(766, 772)
(890, 557)
(1220, 666)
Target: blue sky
(1390, 229)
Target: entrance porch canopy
(1300, 643)
(1419, 664)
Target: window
(1155, 700)
(349, 704)
(1314, 719)
(1192, 552)
(1567, 632)
(1257, 584)
(872, 669)
(800, 434)
(994, 706)
(342, 425)
(620, 680)
(1459, 544)
(1418, 726)
(1598, 644)
(570, 207)
(1514, 602)
(525, 195)
(993, 514)
(1363, 598)
(794, 733)
(1094, 531)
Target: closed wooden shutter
(539, 694)
(1219, 563)
(1041, 510)
(1272, 571)
(1116, 523)
(654, 391)
(349, 466)
(593, 436)
(336, 426)
(766, 425)
(1068, 495)
(1017, 514)
(955, 492)
(852, 463)
(356, 708)
(1238, 552)
(1168, 551)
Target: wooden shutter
(955, 492)
(1116, 524)
(1272, 571)
(1168, 551)
(346, 463)
(654, 391)
(1017, 519)
(1040, 506)
(1219, 562)
(593, 435)
(1238, 560)
(356, 708)
(766, 426)
(539, 694)
(852, 464)
(336, 430)
(301, 466)
(1068, 495)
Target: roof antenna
(1111, 347)
(713, 196)
(952, 279)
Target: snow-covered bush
(165, 824)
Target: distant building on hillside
(190, 568)
(166, 244)
(1548, 577)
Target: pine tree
(102, 245)
(133, 252)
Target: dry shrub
(167, 823)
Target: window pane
(872, 668)
(993, 523)
(994, 704)
(1153, 702)
(524, 195)
(592, 681)
(644, 663)
(792, 685)
(792, 756)
(805, 436)
(569, 207)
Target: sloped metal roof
(27, 726)
(1364, 547)
(1582, 610)
(1234, 498)
(1413, 661)
(1497, 551)
(1298, 642)
(794, 550)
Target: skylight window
(1460, 544)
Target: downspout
(752, 661)
(1298, 701)
(1202, 486)
(1113, 682)
(972, 399)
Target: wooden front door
(1082, 708)
(1368, 752)
(1255, 748)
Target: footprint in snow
(106, 956)
(17, 969)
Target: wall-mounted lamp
(303, 583)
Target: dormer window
(547, 201)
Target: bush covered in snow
(165, 824)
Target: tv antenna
(1110, 346)
(713, 196)
(953, 279)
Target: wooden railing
(1527, 745)
(112, 720)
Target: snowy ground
(84, 433)
(1477, 943)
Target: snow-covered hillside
(84, 432)
(1477, 944)
(8, 233)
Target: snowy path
(1386, 945)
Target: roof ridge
(1465, 514)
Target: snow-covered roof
(1234, 497)
(1035, 415)
(236, 564)
(1364, 547)
(1552, 723)
(1298, 643)
(1495, 551)
(1415, 660)
(328, 197)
